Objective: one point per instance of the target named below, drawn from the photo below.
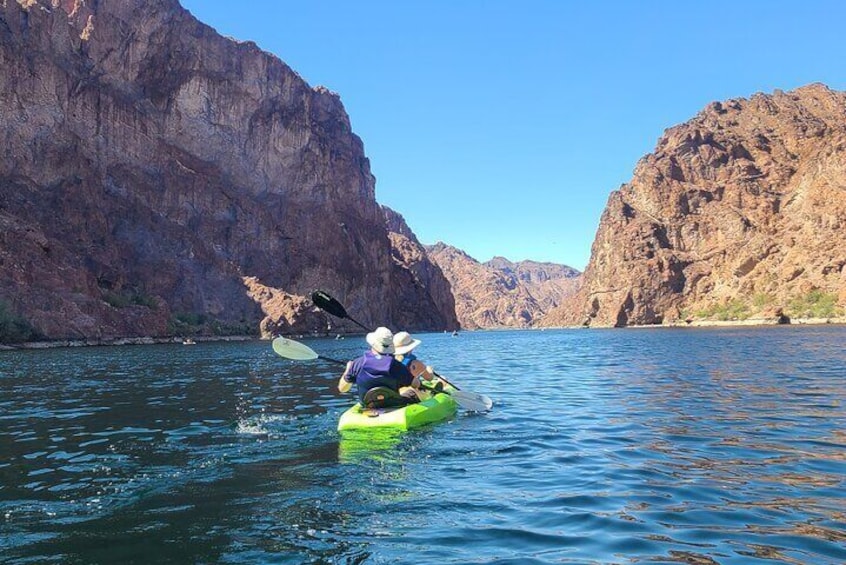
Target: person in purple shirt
(378, 370)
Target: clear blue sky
(501, 127)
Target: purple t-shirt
(372, 370)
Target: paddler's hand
(343, 385)
(419, 370)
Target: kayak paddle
(469, 400)
(290, 349)
(327, 303)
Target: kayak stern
(439, 407)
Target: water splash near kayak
(263, 424)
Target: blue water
(604, 446)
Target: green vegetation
(762, 300)
(186, 324)
(233, 328)
(193, 324)
(734, 309)
(815, 304)
(129, 298)
(14, 329)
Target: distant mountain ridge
(501, 293)
(532, 271)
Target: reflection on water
(377, 444)
(678, 446)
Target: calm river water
(604, 446)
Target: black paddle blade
(328, 304)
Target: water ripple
(648, 446)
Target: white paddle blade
(472, 401)
(290, 349)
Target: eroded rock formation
(420, 284)
(740, 211)
(500, 293)
(157, 178)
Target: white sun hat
(404, 343)
(381, 340)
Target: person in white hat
(378, 369)
(404, 344)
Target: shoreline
(750, 322)
(105, 342)
(147, 340)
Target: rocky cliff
(500, 293)
(739, 212)
(421, 289)
(157, 178)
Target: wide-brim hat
(404, 343)
(381, 340)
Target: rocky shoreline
(52, 344)
(237, 338)
(750, 322)
(761, 322)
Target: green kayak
(439, 407)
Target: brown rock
(740, 209)
(500, 293)
(151, 167)
(423, 298)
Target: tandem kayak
(439, 407)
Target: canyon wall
(421, 286)
(740, 212)
(500, 293)
(157, 178)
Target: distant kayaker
(378, 373)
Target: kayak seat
(384, 397)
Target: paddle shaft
(443, 379)
(339, 362)
(297, 351)
(335, 361)
(329, 304)
(359, 324)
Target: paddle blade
(472, 401)
(291, 349)
(328, 304)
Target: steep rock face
(743, 206)
(500, 293)
(548, 283)
(423, 298)
(154, 173)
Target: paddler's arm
(343, 384)
(418, 369)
